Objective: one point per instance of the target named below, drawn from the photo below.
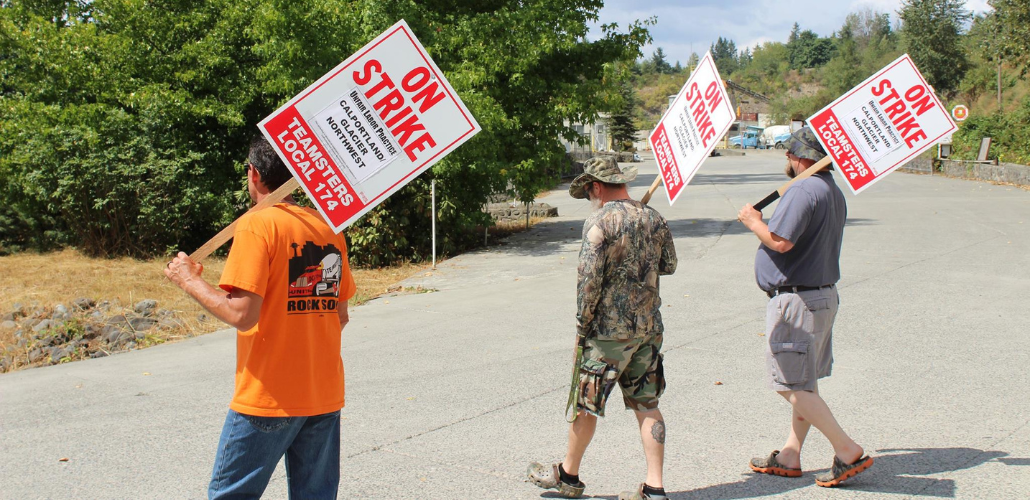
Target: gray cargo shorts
(799, 329)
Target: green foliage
(1012, 19)
(932, 34)
(652, 94)
(724, 53)
(864, 44)
(659, 63)
(523, 69)
(124, 124)
(125, 121)
(1009, 134)
(623, 128)
(692, 62)
(808, 50)
(766, 72)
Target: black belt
(793, 289)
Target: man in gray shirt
(798, 266)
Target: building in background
(596, 133)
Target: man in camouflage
(626, 247)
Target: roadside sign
(881, 124)
(960, 112)
(369, 126)
(700, 114)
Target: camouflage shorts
(635, 364)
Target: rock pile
(82, 329)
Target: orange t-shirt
(289, 364)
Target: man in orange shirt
(285, 288)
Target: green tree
(844, 70)
(693, 61)
(932, 34)
(659, 63)
(808, 50)
(125, 121)
(1012, 18)
(621, 123)
(724, 52)
(744, 58)
(767, 71)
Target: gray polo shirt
(810, 215)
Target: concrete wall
(517, 211)
(1002, 172)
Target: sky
(693, 25)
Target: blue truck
(750, 137)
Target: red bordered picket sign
(369, 126)
(699, 116)
(881, 124)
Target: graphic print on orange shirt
(314, 278)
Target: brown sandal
(772, 466)
(840, 471)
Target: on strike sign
(369, 126)
(881, 124)
(687, 133)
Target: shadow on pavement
(894, 471)
(773, 179)
(1015, 461)
(549, 236)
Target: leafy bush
(125, 121)
(1010, 136)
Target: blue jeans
(250, 447)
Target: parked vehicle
(776, 136)
(748, 138)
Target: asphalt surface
(451, 394)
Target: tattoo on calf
(658, 432)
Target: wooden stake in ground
(650, 191)
(819, 165)
(226, 234)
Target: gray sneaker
(547, 477)
(640, 495)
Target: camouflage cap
(804, 144)
(601, 169)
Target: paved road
(450, 394)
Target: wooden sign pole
(650, 191)
(819, 165)
(226, 234)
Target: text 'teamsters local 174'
(881, 124)
(699, 116)
(369, 126)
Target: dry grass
(56, 278)
(45, 280)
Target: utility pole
(999, 84)
(997, 52)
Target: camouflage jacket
(626, 246)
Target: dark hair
(267, 162)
